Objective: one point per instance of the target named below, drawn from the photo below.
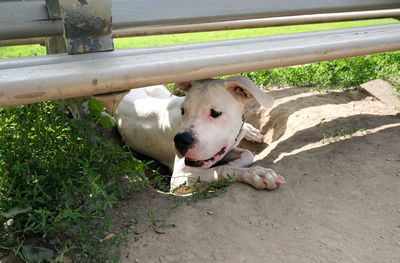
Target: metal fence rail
(30, 18)
(37, 79)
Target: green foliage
(395, 81)
(335, 74)
(56, 185)
(36, 254)
(96, 108)
(206, 190)
(330, 135)
(22, 51)
(158, 224)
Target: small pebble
(210, 212)
(10, 222)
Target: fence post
(87, 25)
(57, 45)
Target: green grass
(336, 74)
(331, 135)
(22, 51)
(58, 177)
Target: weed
(338, 134)
(321, 122)
(157, 223)
(129, 219)
(205, 190)
(158, 181)
(395, 81)
(172, 208)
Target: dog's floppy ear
(183, 86)
(243, 88)
(187, 85)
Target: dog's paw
(264, 178)
(252, 134)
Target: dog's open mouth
(208, 162)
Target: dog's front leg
(258, 177)
(238, 157)
(252, 134)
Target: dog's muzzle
(183, 142)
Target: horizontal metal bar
(237, 24)
(26, 20)
(99, 73)
(30, 19)
(256, 23)
(22, 41)
(127, 13)
(64, 58)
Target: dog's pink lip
(206, 163)
(178, 154)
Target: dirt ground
(340, 155)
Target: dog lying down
(195, 136)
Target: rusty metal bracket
(53, 9)
(87, 25)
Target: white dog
(195, 136)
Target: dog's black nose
(183, 142)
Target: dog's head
(212, 117)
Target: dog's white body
(149, 122)
(192, 134)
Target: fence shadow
(327, 131)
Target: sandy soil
(340, 155)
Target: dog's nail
(280, 180)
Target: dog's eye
(215, 114)
(182, 111)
